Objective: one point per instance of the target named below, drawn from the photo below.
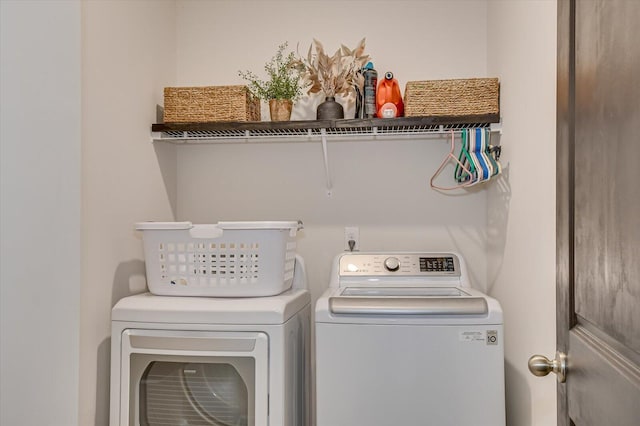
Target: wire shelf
(320, 130)
(283, 134)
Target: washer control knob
(392, 264)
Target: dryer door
(193, 378)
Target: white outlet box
(351, 233)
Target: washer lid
(407, 305)
(147, 307)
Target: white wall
(382, 187)
(521, 228)
(40, 212)
(128, 56)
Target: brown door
(598, 216)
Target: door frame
(565, 150)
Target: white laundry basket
(228, 259)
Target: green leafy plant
(283, 79)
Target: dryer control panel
(400, 264)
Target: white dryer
(186, 361)
(403, 339)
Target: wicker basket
(460, 97)
(210, 103)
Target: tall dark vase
(329, 109)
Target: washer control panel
(400, 264)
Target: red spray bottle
(388, 98)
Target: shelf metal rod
(323, 135)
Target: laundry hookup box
(227, 259)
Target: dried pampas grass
(332, 75)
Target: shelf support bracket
(325, 154)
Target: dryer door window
(194, 378)
(185, 393)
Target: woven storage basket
(210, 103)
(460, 97)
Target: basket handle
(163, 226)
(206, 231)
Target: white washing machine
(186, 361)
(403, 339)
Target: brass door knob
(540, 365)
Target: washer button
(392, 264)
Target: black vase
(329, 109)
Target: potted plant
(332, 75)
(282, 87)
